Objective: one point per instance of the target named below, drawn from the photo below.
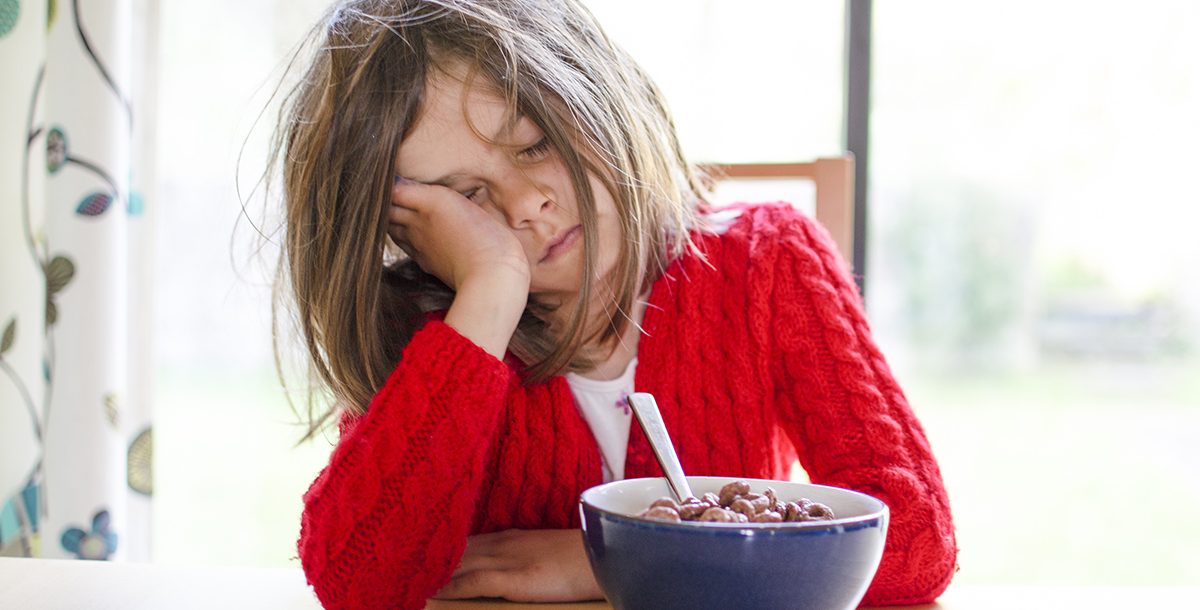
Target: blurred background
(1031, 264)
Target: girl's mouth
(562, 244)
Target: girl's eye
(470, 194)
(537, 151)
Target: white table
(60, 584)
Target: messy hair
(356, 301)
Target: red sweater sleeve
(386, 522)
(846, 415)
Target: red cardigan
(757, 357)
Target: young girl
(492, 237)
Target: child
(555, 252)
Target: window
(228, 480)
(1031, 258)
(753, 81)
(1032, 276)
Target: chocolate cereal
(736, 504)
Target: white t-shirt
(603, 405)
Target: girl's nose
(524, 202)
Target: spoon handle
(646, 411)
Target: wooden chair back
(833, 179)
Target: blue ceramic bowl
(657, 565)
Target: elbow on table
(920, 576)
(353, 576)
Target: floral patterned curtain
(75, 435)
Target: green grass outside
(228, 477)
(1071, 474)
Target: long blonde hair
(355, 304)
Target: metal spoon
(646, 411)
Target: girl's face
(520, 180)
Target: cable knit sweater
(757, 357)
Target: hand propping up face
(451, 237)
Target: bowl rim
(841, 523)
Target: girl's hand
(452, 238)
(524, 566)
(474, 254)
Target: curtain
(75, 127)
